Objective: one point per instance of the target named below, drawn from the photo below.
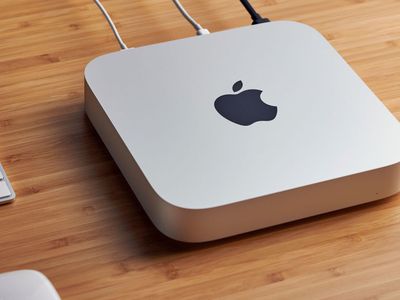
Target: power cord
(257, 19)
(199, 29)
(112, 25)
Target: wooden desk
(75, 218)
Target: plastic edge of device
(207, 224)
(11, 198)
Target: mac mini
(243, 129)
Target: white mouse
(26, 285)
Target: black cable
(257, 19)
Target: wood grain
(75, 218)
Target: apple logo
(244, 108)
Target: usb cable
(112, 25)
(199, 29)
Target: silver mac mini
(243, 129)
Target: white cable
(112, 25)
(199, 30)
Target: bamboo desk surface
(75, 218)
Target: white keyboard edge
(7, 193)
